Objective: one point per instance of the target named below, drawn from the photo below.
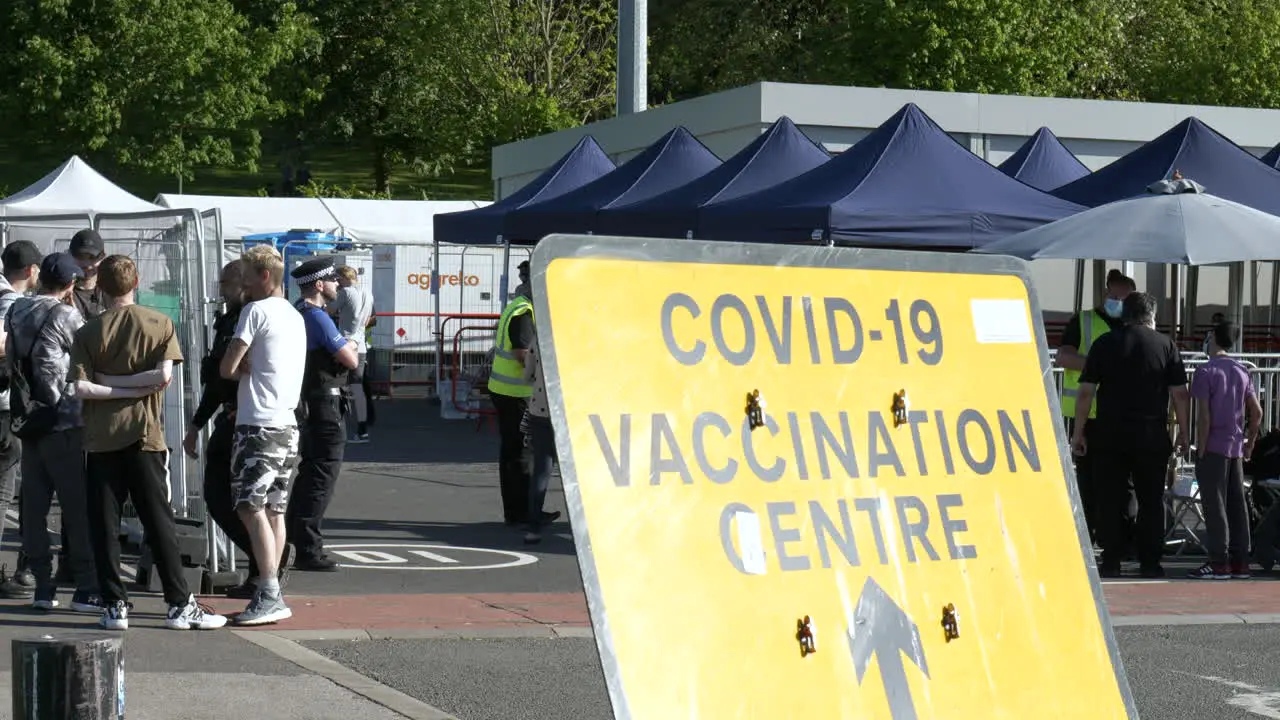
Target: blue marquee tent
(1272, 158)
(779, 154)
(1200, 153)
(1043, 162)
(584, 163)
(907, 184)
(675, 159)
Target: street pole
(633, 56)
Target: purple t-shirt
(1224, 383)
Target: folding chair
(1183, 508)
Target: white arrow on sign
(381, 556)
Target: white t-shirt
(277, 339)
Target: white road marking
(368, 556)
(433, 556)
(1253, 700)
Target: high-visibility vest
(1092, 327)
(506, 376)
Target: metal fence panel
(173, 278)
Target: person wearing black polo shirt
(1133, 370)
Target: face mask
(1113, 307)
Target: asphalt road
(1184, 672)
(429, 487)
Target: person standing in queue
(120, 363)
(38, 334)
(1078, 336)
(88, 250)
(353, 313)
(21, 263)
(267, 357)
(1133, 370)
(321, 414)
(219, 397)
(1228, 416)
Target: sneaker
(192, 616)
(357, 439)
(532, 538)
(1210, 571)
(115, 616)
(11, 589)
(45, 598)
(264, 609)
(1240, 571)
(316, 564)
(86, 602)
(25, 578)
(244, 591)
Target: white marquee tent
(73, 188)
(372, 221)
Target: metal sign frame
(653, 250)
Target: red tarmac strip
(523, 610)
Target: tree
(1210, 52)
(704, 46)
(435, 84)
(160, 85)
(1031, 47)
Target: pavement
(440, 611)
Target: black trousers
(132, 474)
(217, 489)
(321, 446)
(1084, 477)
(513, 479)
(1143, 455)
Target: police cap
(320, 268)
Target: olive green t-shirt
(124, 341)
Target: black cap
(87, 242)
(312, 270)
(20, 254)
(523, 269)
(59, 270)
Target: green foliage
(1029, 47)
(321, 189)
(1214, 52)
(162, 85)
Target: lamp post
(633, 56)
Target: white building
(992, 126)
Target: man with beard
(321, 409)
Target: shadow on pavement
(555, 537)
(412, 431)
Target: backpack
(28, 417)
(4, 364)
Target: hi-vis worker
(510, 392)
(1081, 332)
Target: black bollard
(68, 676)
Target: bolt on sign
(820, 483)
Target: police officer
(321, 410)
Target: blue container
(295, 246)
(300, 241)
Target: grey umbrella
(1176, 222)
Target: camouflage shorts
(262, 463)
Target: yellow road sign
(820, 483)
